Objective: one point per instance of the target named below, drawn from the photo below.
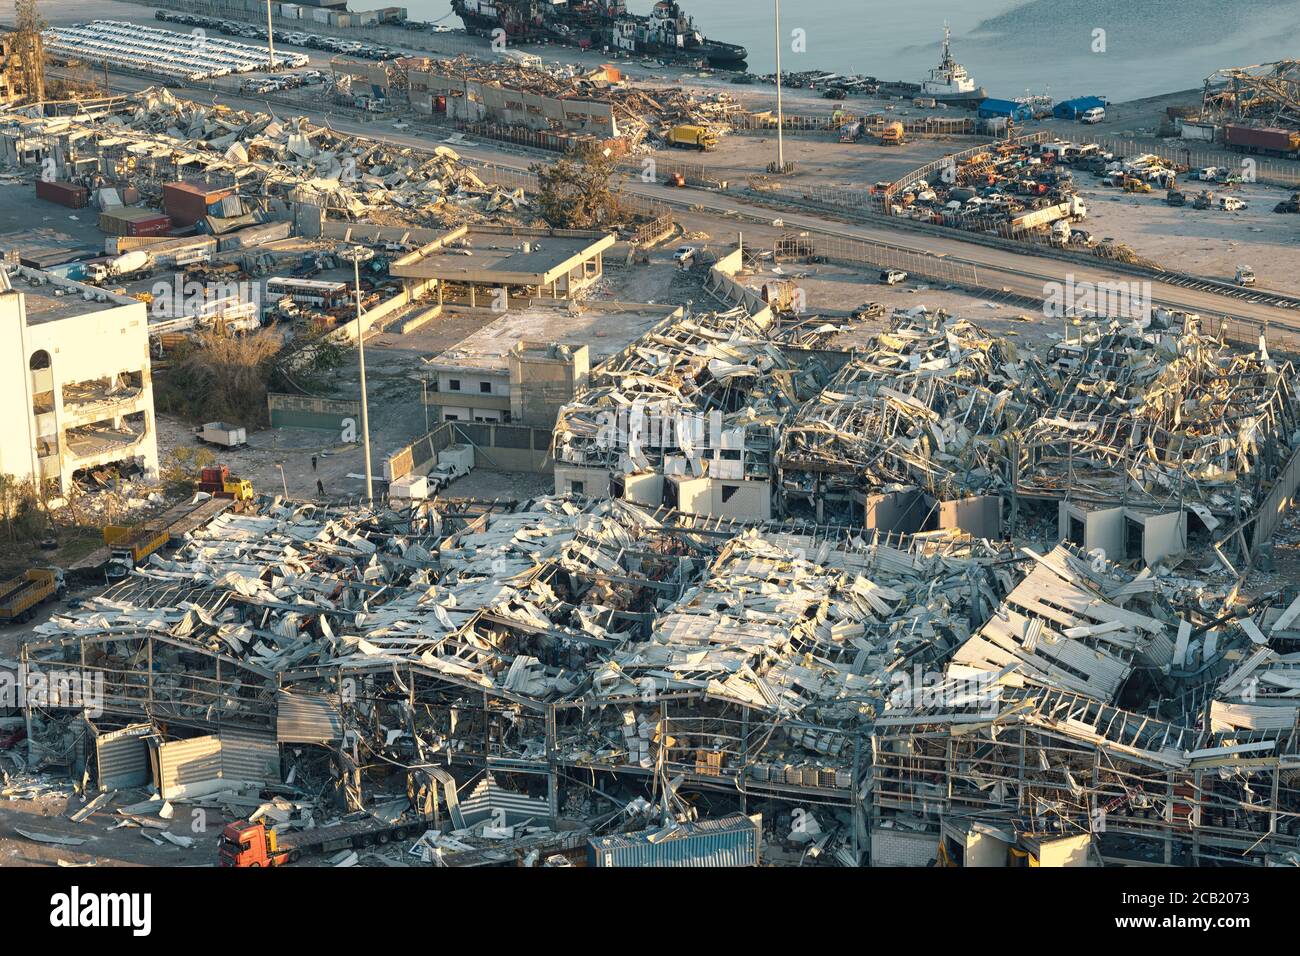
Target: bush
(221, 378)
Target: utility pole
(780, 118)
(356, 254)
(270, 35)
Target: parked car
(684, 254)
(893, 276)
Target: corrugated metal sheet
(307, 718)
(488, 801)
(249, 757)
(122, 757)
(727, 841)
(189, 767)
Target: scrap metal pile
(931, 681)
(928, 403)
(1159, 418)
(152, 137)
(773, 668)
(658, 403)
(1113, 704)
(639, 111)
(1125, 415)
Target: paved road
(1022, 274)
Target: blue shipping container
(727, 841)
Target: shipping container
(134, 222)
(254, 236)
(187, 203)
(1263, 139)
(65, 194)
(725, 842)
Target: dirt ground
(1205, 242)
(105, 845)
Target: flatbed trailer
(245, 844)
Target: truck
(217, 481)
(687, 136)
(454, 461)
(1074, 208)
(851, 132)
(245, 844)
(892, 135)
(126, 264)
(128, 547)
(1269, 140)
(221, 433)
(20, 596)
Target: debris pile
(152, 138)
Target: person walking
(320, 489)
(313, 462)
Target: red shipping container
(134, 222)
(65, 194)
(187, 203)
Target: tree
(30, 47)
(575, 191)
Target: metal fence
(857, 252)
(1267, 171)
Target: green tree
(576, 192)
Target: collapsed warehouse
(1129, 438)
(587, 666)
(688, 415)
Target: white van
(1094, 115)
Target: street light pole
(283, 483)
(361, 358)
(780, 120)
(270, 38)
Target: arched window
(40, 360)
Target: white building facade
(76, 391)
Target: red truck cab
(249, 844)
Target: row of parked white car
(193, 56)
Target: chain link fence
(1266, 171)
(862, 252)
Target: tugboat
(667, 32)
(949, 82)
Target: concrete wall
(307, 411)
(722, 498)
(591, 481)
(722, 283)
(543, 379)
(902, 847)
(497, 447)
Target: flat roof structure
(606, 328)
(503, 256)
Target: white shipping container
(410, 486)
(320, 15)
